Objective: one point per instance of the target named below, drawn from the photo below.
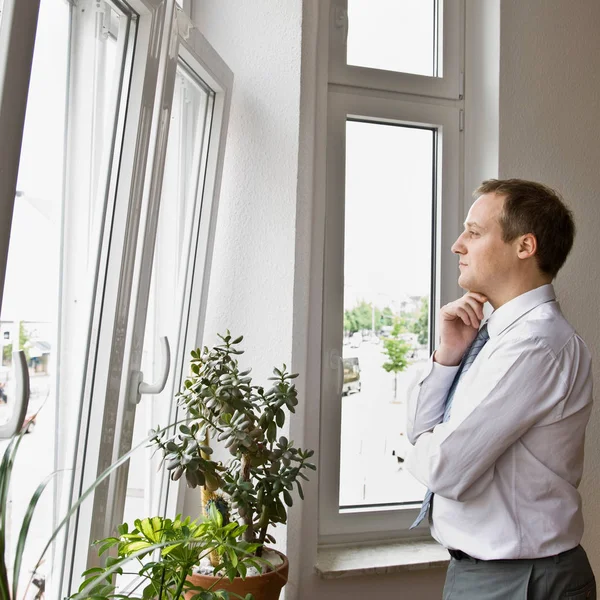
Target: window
(387, 287)
(410, 46)
(89, 282)
(172, 269)
(394, 36)
(196, 87)
(393, 210)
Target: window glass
(387, 288)
(394, 35)
(52, 266)
(172, 270)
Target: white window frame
(201, 58)
(378, 96)
(448, 218)
(450, 85)
(174, 34)
(106, 369)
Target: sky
(395, 35)
(388, 213)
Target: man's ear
(527, 246)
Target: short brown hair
(531, 207)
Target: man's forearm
(426, 401)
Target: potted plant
(166, 550)
(258, 482)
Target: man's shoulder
(547, 326)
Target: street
(373, 426)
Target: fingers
(469, 309)
(479, 297)
(476, 306)
(468, 315)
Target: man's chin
(463, 282)
(467, 284)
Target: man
(498, 420)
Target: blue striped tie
(468, 359)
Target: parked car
(351, 376)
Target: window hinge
(103, 17)
(461, 85)
(341, 17)
(340, 20)
(461, 120)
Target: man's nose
(458, 247)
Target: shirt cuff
(438, 375)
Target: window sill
(334, 562)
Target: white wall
(550, 132)
(252, 276)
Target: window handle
(15, 423)
(139, 386)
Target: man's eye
(473, 233)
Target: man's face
(485, 260)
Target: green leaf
(106, 545)
(242, 570)
(280, 417)
(92, 571)
(271, 432)
(25, 530)
(232, 556)
(124, 528)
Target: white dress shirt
(506, 466)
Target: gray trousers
(565, 576)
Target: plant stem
(248, 518)
(181, 584)
(261, 539)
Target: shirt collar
(514, 309)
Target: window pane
(387, 287)
(393, 35)
(172, 270)
(52, 264)
(28, 316)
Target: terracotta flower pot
(263, 587)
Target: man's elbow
(448, 491)
(461, 490)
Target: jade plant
(225, 406)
